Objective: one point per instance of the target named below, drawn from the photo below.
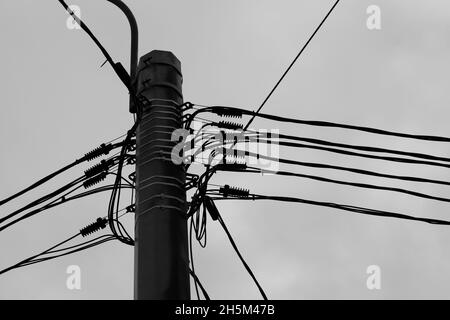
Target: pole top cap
(160, 57)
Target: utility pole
(161, 239)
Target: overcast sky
(57, 104)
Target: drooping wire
(62, 252)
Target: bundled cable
(103, 149)
(351, 208)
(318, 123)
(53, 252)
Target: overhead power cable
(355, 209)
(324, 124)
(59, 201)
(215, 215)
(46, 255)
(233, 244)
(353, 184)
(92, 173)
(351, 153)
(365, 148)
(242, 154)
(291, 65)
(117, 66)
(103, 149)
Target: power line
(325, 124)
(98, 172)
(242, 154)
(117, 66)
(353, 184)
(103, 149)
(59, 201)
(233, 244)
(361, 210)
(66, 251)
(291, 65)
(365, 148)
(353, 154)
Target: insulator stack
(94, 227)
(226, 190)
(230, 125)
(99, 168)
(231, 167)
(229, 113)
(95, 180)
(104, 149)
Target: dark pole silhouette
(161, 245)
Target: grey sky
(56, 104)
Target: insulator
(234, 191)
(231, 167)
(95, 180)
(229, 125)
(98, 168)
(229, 113)
(94, 227)
(103, 149)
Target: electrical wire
(242, 154)
(361, 210)
(292, 64)
(351, 153)
(365, 148)
(233, 244)
(76, 184)
(353, 184)
(323, 124)
(117, 67)
(73, 249)
(105, 148)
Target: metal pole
(161, 239)
(134, 43)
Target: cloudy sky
(57, 104)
